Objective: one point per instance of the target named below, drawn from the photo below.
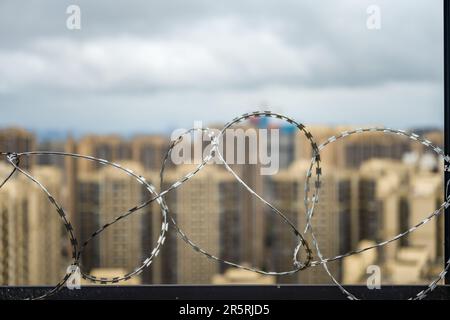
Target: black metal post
(447, 120)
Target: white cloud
(216, 54)
(153, 64)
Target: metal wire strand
(323, 261)
(14, 160)
(199, 249)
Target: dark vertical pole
(447, 121)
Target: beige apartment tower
(33, 243)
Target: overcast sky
(148, 66)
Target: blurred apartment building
(363, 199)
(103, 193)
(381, 200)
(33, 245)
(332, 219)
(352, 151)
(18, 140)
(253, 223)
(146, 150)
(207, 209)
(51, 160)
(394, 197)
(102, 196)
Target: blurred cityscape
(374, 187)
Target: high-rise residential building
(87, 217)
(332, 214)
(285, 148)
(51, 160)
(363, 200)
(18, 140)
(101, 197)
(359, 148)
(149, 151)
(111, 148)
(243, 142)
(206, 209)
(382, 187)
(425, 196)
(352, 151)
(14, 242)
(70, 175)
(33, 244)
(394, 196)
(304, 151)
(252, 221)
(49, 255)
(232, 231)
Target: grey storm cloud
(305, 57)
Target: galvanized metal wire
(215, 153)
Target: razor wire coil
(14, 160)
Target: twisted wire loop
(323, 261)
(11, 174)
(14, 160)
(316, 160)
(215, 150)
(149, 187)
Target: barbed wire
(215, 150)
(14, 160)
(323, 261)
